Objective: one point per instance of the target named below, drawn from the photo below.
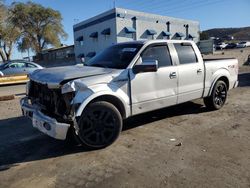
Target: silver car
(18, 68)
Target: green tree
(9, 33)
(40, 26)
(2, 11)
(9, 37)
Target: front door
(154, 90)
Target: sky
(210, 13)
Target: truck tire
(218, 96)
(99, 125)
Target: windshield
(242, 43)
(117, 57)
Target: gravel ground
(180, 146)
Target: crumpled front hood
(54, 76)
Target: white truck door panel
(190, 82)
(154, 90)
(190, 72)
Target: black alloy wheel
(218, 96)
(99, 125)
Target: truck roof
(154, 41)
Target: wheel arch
(222, 78)
(120, 103)
(113, 100)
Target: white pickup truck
(90, 102)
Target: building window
(151, 33)
(80, 40)
(179, 35)
(190, 37)
(106, 31)
(130, 32)
(166, 34)
(94, 35)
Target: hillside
(242, 33)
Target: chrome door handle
(172, 75)
(199, 70)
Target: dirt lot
(181, 146)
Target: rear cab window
(186, 53)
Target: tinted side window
(186, 54)
(160, 53)
(17, 65)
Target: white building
(120, 25)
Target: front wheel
(218, 96)
(99, 125)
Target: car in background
(231, 46)
(243, 44)
(220, 46)
(18, 67)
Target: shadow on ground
(177, 110)
(20, 142)
(244, 79)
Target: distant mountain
(242, 33)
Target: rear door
(154, 90)
(191, 73)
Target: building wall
(91, 25)
(117, 19)
(95, 44)
(146, 21)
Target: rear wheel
(218, 96)
(99, 125)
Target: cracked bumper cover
(44, 123)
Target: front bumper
(45, 124)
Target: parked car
(18, 67)
(90, 102)
(220, 46)
(243, 44)
(230, 46)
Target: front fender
(85, 97)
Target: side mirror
(146, 66)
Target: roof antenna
(114, 3)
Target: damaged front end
(52, 102)
(51, 111)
